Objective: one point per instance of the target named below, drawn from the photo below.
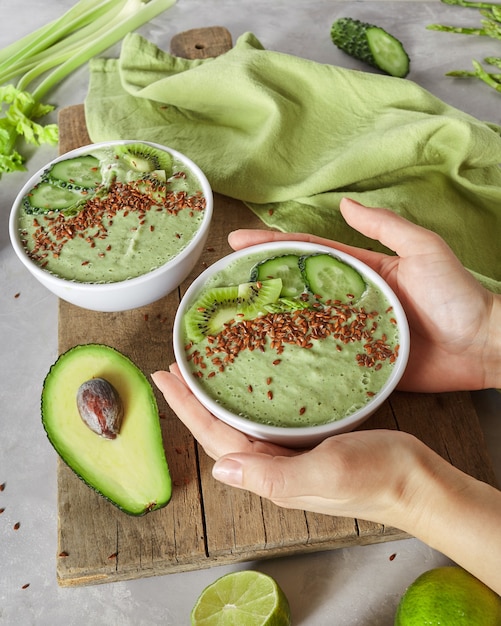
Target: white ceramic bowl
(126, 294)
(294, 437)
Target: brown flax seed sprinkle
(54, 229)
(345, 323)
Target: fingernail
(228, 471)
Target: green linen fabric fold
(290, 137)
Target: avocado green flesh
(131, 471)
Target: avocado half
(131, 470)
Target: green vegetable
(284, 267)
(372, 45)
(331, 279)
(46, 197)
(490, 27)
(82, 172)
(51, 53)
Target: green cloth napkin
(290, 137)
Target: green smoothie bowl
(113, 226)
(291, 342)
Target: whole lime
(448, 596)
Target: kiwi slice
(210, 312)
(218, 306)
(254, 296)
(145, 159)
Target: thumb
(263, 474)
(290, 481)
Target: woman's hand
(455, 338)
(384, 476)
(362, 474)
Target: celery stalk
(57, 52)
(134, 14)
(74, 18)
(85, 31)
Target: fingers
(207, 429)
(216, 437)
(392, 230)
(352, 474)
(243, 238)
(279, 479)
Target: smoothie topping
(307, 341)
(91, 218)
(54, 230)
(343, 322)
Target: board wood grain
(207, 523)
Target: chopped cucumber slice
(82, 172)
(328, 278)
(46, 197)
(388, 52)
(285, 267)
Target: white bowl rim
(49, 277)
(272, 432)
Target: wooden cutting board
(206, 523)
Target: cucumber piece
(330, 279)
(82, 172)
(372, 45)
(285, 267)
(46, 197)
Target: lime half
(246, 598)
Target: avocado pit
(100, 407)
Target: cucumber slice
(285, 267)
(372, 45)
(46, 197)
(328, 278)
(82, 172)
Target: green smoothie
(129, 222)
(315, 363)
